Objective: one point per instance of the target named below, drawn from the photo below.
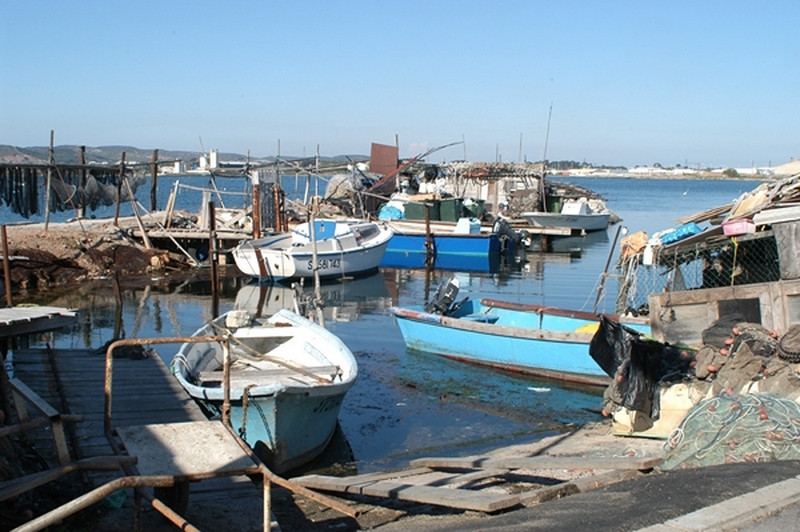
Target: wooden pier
(72, 381)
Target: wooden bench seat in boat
(252, 376)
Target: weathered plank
(403, 488)
(588, 483)
(480, 501)
(539, 462)
(342, 484)
(467, 479)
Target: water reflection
(403, 404)
(577, 245)
(342, 300)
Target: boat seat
(481, 317)
(243, 378)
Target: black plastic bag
(637, 364)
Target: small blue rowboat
(533, 339)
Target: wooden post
(6, 266)
(315, 265)
(119, 189)
(212, 256)
(82, 161)
(256, 214)
(153, 186)
(430, 246)
(276, 197)
(50, 162)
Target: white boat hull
(286, 387)
(356, 248)
(576, 222)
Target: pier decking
(25, 320)
(144, 393)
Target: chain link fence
(723, 261)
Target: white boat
(288, 378)
(344, 247)
(575, 215)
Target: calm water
(409, 404)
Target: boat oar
(263, 356)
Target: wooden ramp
(72, 381)
(483, 483)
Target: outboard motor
(509, 238)
(443, 298)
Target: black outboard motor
(509, 238)
(443, 298)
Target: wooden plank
(17, 321)
(466, 479)
(404, 485)
(452, 498)
(350, 484)
(539, 462)
(261, 375)
(580, 485)
(21, 393)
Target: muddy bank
(43, 257)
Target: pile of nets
(736, 357)
(732, 428)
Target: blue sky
(697, 83)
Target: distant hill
(68, 154)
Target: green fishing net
(732, 428)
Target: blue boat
(288, 378)
(464, 246)
(536, 340)
(408, 260)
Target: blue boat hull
(550, 345)
(288, 429)
(463, 263)
(446, 244)
(467, 252)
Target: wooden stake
(51, 161)
(153, 177)
(6, 266)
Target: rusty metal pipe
(295, 488)
(96, 495)
(97, 463)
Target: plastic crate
(738, 227)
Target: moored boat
(576, 215)
(465, 240)
(288, 378)
(532, 339)
(343, 247)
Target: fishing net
(732, 428)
